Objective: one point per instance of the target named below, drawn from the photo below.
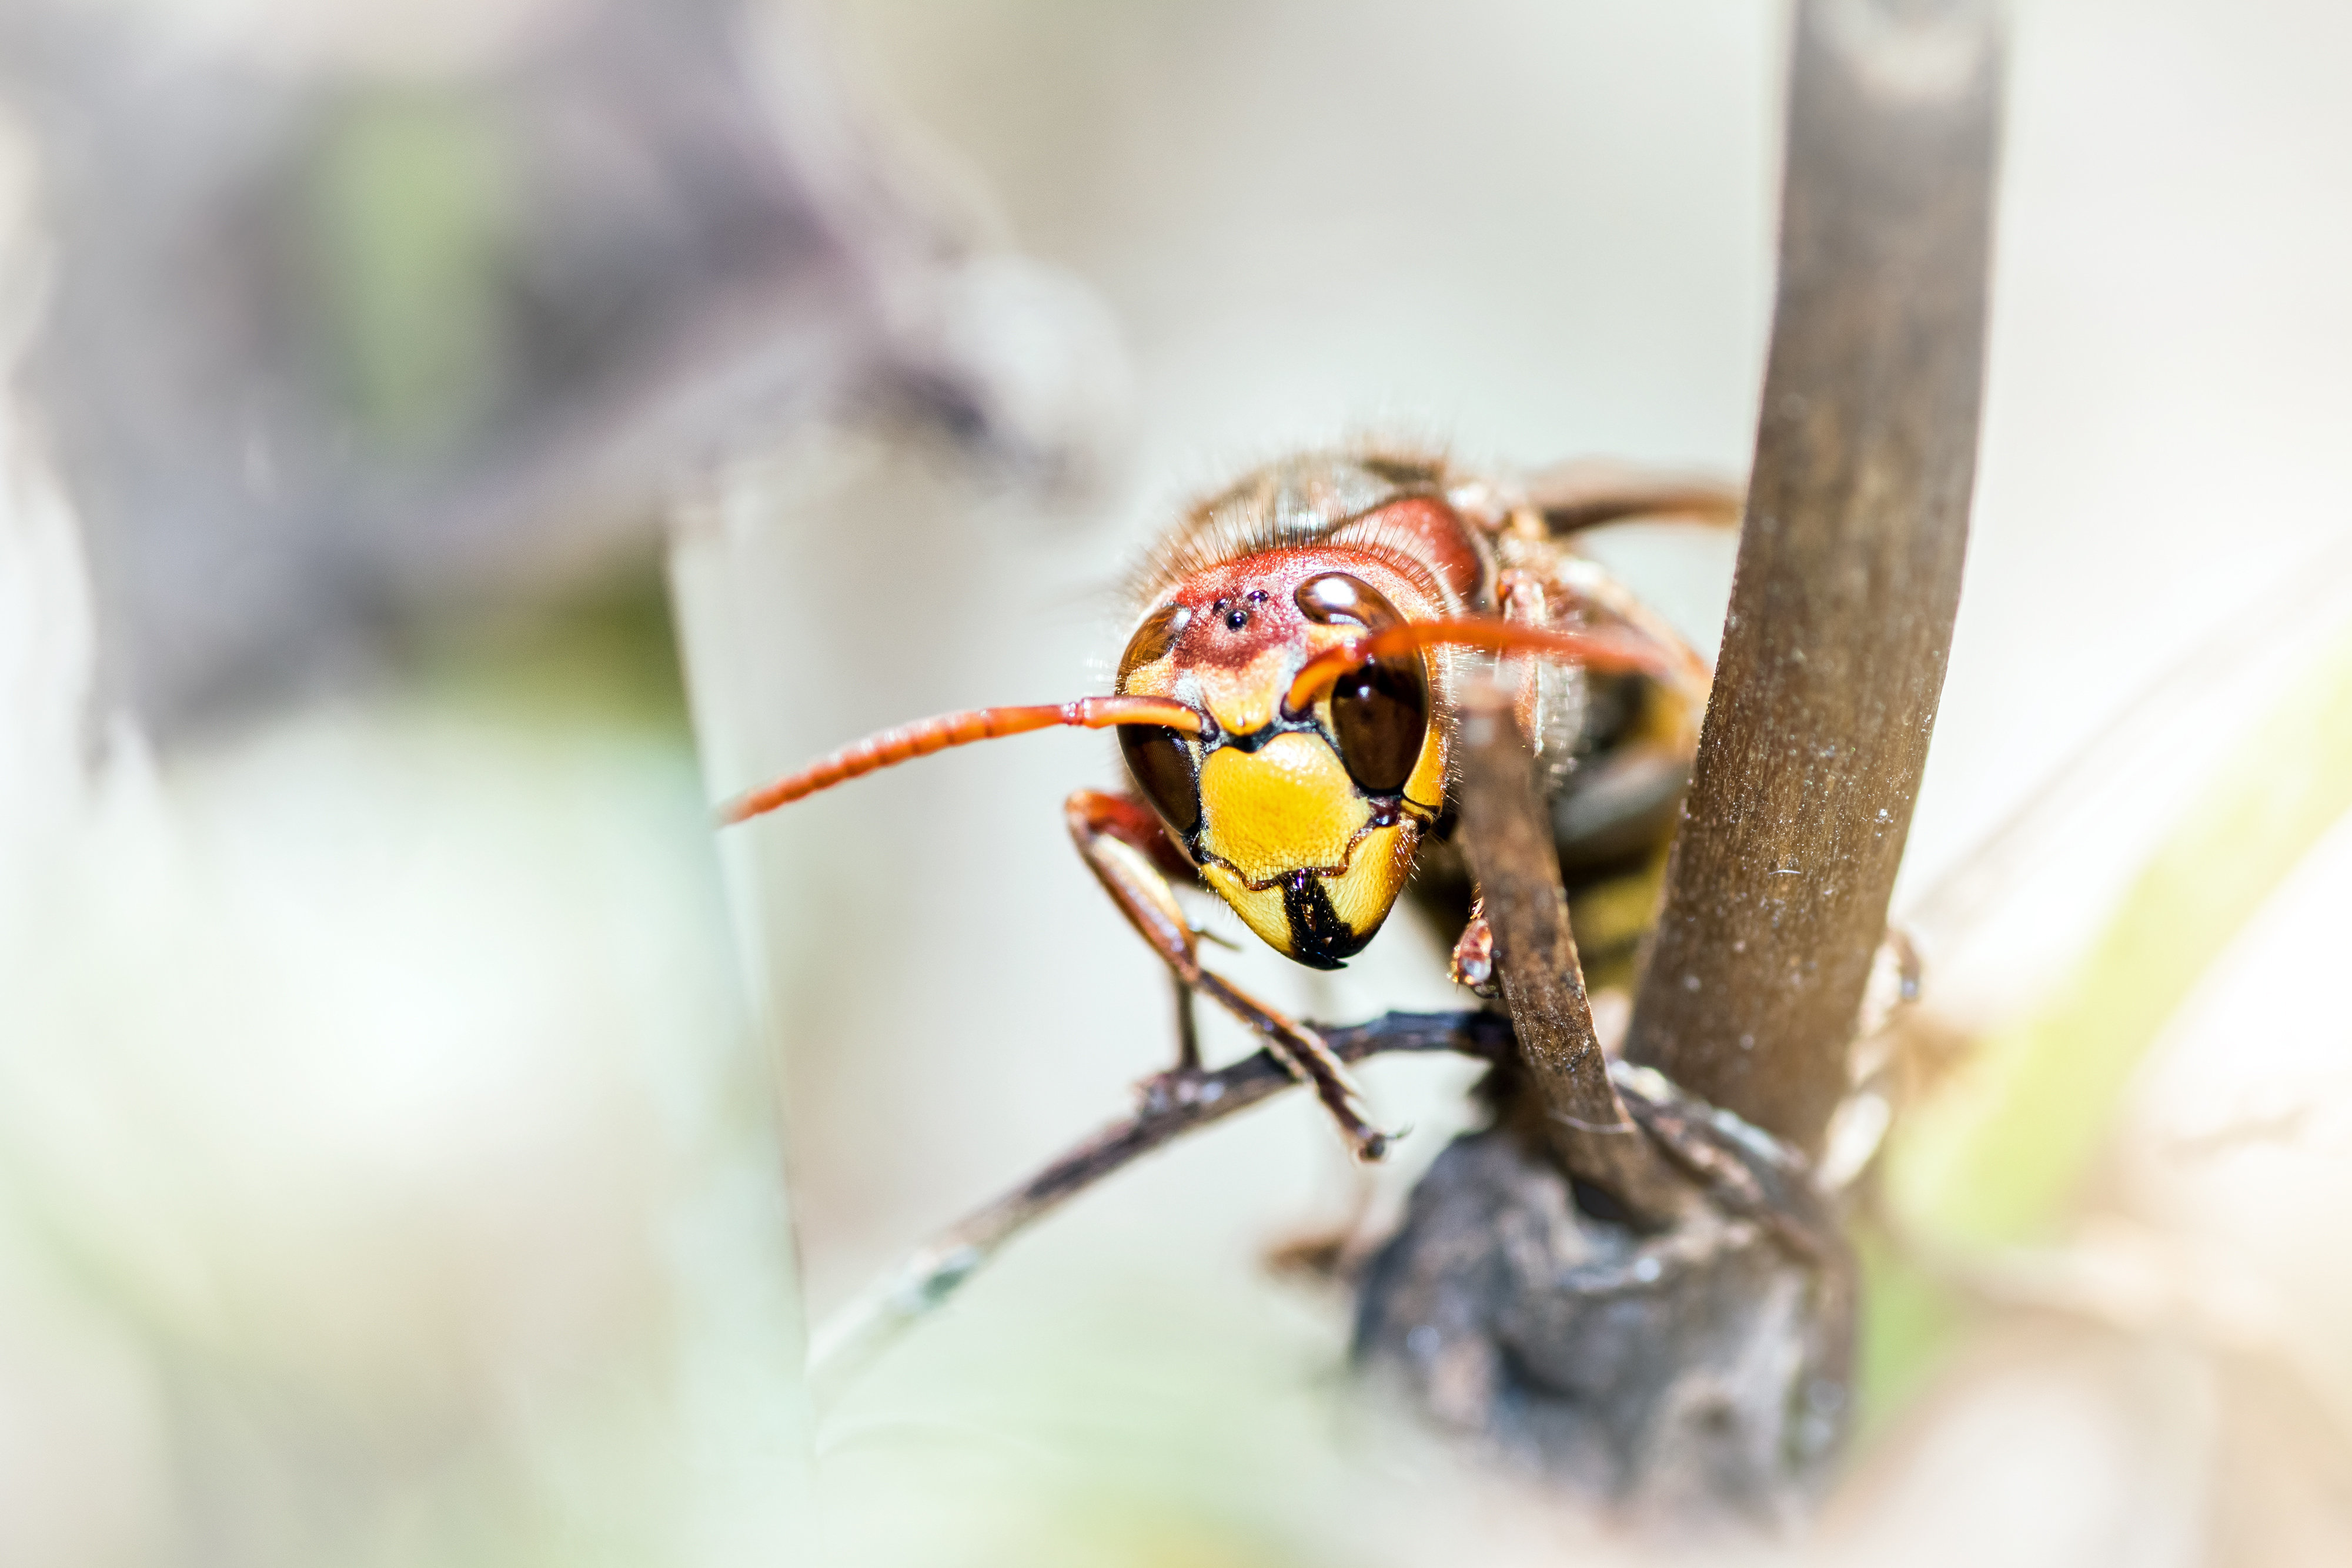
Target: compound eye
(1162, 769)
(1153, 639)
(1335, 599)
(1379, 716)
(1380, 710)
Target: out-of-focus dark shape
(1690, 1381)
(323, 346)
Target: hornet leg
(1125, 847)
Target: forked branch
(1737, 1168)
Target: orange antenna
(1594, 652)
(926, 736)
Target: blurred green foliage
(603, 653)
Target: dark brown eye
(1153, 639)
(1162, 769)
(1379, 711)
(1337, 599)
(1379, 716)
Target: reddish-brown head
(1303, 818)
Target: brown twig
(1849, 563)
(1508, 836)
(1743, 1170)
(1174, 1104)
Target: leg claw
(1472, 963)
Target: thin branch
(1849, 563)
(1174, 1105)
(1508, 835)
(1743, 1170)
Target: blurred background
(446, 445)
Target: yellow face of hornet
(1306, 823)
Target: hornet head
(1300, 800)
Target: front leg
(1188, 1032)
(1126, 848)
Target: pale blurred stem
(1849, 566)
(1174, 1106)
(1508, 833)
